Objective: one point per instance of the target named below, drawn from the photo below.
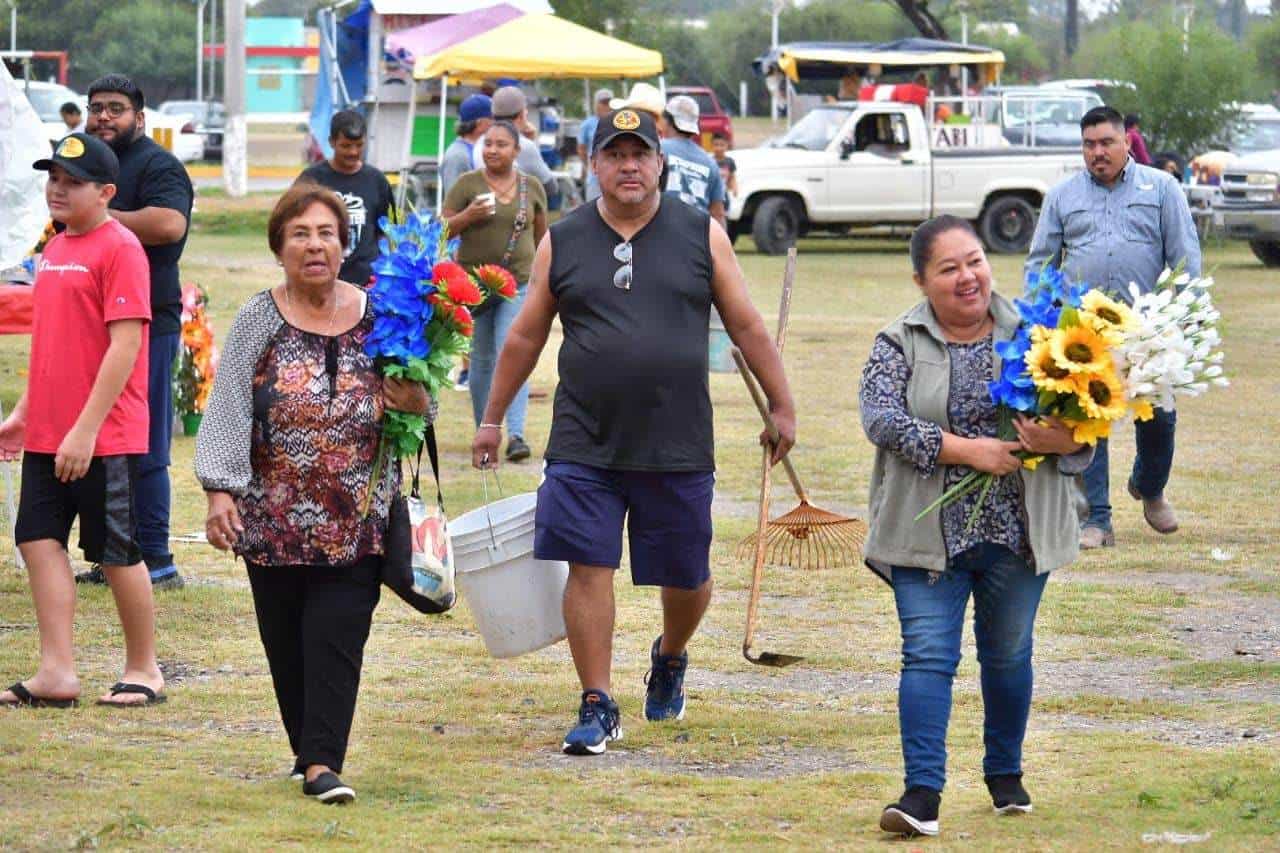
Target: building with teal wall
(274, 44)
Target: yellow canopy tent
(541, 46)
(533, 47)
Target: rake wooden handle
(763, 407)
(757, 570)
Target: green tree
(1185, 96)
(1264, 44)
(151, 41)
(1024, 61)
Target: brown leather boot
(1157, 511)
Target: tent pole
(662, 86)
(402, 191)
(444, 106)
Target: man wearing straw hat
(633, 278)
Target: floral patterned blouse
(292, 430)
(972, 414)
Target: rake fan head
(809, 537)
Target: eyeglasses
(622, 278)
(115, 109)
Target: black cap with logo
(637, 123)
(85, 157)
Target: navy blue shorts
(668, 515)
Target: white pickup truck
(875, 163)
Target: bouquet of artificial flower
(1089, 360)
(422, 320)
(197, 360)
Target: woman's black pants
(314, 621)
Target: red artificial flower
(462, 319)
(497, 279)
(454, 282)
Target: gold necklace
(337, 303)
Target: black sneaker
(299, 773)
(1007, 794)
(93, 576)
(517, 450)
(915, 813)
(329, 789)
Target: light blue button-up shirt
(1107, 237)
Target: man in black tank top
(633, 278)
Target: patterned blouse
(292, 430)
(972, 414)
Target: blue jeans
(1006, 592)
(486, 342)
(1151, 466)
(151, 489)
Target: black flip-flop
(27, 699)
(153, 698)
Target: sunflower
(1107, 317)
(1142, 410)
(1045, 372)
(1088, 432)
(1079, 349)
(1101, 395)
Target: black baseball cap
(86, 157)
(637, 123)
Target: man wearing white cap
(509, 103)
(585, 134)
(692, 175)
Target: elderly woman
(500, 213)
(926, 408)
(286, 455)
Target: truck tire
(776, 225)
(1007, 225)
(1267, 251)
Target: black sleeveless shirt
(633, 392)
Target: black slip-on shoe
(1007, 794)
(329, 789)
(915, 813)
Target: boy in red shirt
(81, 424)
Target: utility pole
(1071, 27)
(200, 4)
(235, 141)
(778, 6)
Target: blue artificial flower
(1041, 311)
(1016, 390)
(1014, 349)
(404, 267)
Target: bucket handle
(484, 466)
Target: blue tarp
(352, 52)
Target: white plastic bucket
(515, 599)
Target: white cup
(490, 201)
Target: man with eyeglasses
(632, 277)
(153, 200)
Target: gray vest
(898, 492)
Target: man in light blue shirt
(585, 134)
(475, 114)
(1115, 223)
(692, 174)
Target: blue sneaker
(665, 680)
(598, 723)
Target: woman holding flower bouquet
(500, 214)
(286, 454)
(927, 408)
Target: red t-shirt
(83, 283)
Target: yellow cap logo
(71, 148)
(626, 120)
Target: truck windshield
(815, 131)
(1258, 135)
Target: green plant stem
(377, 473)
(971, 481)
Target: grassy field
(1158, 662)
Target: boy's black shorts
(102, 498)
